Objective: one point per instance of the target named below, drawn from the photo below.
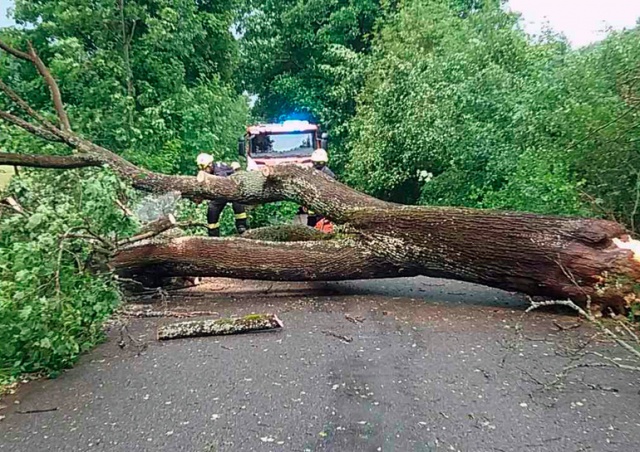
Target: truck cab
(274, 144)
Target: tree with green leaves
(304, 59)
(153, 80)
(467, 110)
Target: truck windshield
(283, 145)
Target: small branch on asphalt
(44, 410)
(346, 339)
(566, 327)
(634, 352)
(124, 334)
(353, 319)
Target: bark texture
(252, 259)
(219, 327)
(287, 233)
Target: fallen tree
(560, 257)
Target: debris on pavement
(217, 327)
(346, 339)
(43, 410)
(353, 319)
(177, 314)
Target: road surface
(434, 365)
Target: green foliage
(498, 121)
(272, 214)
(52, 302)
(152, 80)
(189, 211)
(262, 215)
(306, 59)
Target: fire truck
(274, 144)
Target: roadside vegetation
(444, 102)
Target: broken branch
(56, 97)
(195, 328)
(49, 161)
(25, 107)
(32, 129)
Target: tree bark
(219, 327)
(287, 233)
(252, 259)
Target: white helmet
(235, 166)
(204, 160)
(319, 156)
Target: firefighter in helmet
(206, 163)
(319, 158)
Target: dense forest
(434, 102)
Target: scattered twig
(126, 338)
(591, 318)
(595, 204)
(587, 315)
(124, 208)
(599, 387)
(629, 332)
(96, 236)
(571, 278)
(352, 319)
(561, 327)
(346, 339)
(615, 363)
(44, 410)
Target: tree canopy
(155, 80)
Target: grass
(5, 176)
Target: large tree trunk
(583, 259)
(536, 255)
(253, 259)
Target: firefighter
(206, 163)
(319, 158)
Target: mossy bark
(219, 327)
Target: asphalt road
(433, 366)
